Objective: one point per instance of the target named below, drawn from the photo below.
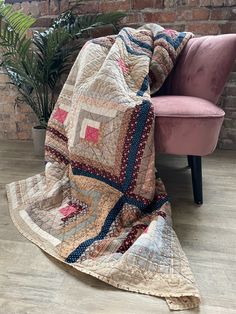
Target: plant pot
(38, 135)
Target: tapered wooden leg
(195, 163)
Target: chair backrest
(203, 67)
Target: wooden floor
(32, 282)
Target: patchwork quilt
(99, 206)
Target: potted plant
(36, 64)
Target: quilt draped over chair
(99, 206)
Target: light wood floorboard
(32, 282)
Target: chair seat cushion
(186, 125)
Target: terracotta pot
(38, 135)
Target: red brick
(25, 7)
(174, 3)
(29, 32)
(20, 116)
(23, 135)
(64, 5)
(3, 79)
(43, 22)
(16, 6)
(184, 15)
(43, 8)
(201, 14)
(231, 91)
(228, 28)
(216, 3)
(203, 28)
(132, 18)
(177, 27)
(230, 102)
(230, 3)
(7, 99)
(54, 7)
(4, 135)
(159, 4)
(73, 3)
(143, 4)
(193, 3)
(102, 31)
(221, 14)
(109, 6)
(232, 14)
(232, 78)
(159, 17)
(4, 116)
(24, 108)
(34, 9)
(8, 108)
(87, 7)
(169, 3)
(205, 3)
(4, 125)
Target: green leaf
(35, 65)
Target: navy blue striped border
(138, 42)
(175, 42)
(143, 87)
(142, 119)
(147, 208)
(75, 255)
(137, 53)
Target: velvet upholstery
(204, 66)
(188, 121)
(186, 125)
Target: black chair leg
(195, 163)
(190, 162)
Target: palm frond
(13, 28)
(17, 21)
(77, 26)
(35, 65)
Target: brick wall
(202, 17)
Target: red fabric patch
(66, 211)
(60, 115)
(123, 66)
(91, 134)
(135, 232)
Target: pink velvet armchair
(188, 121)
